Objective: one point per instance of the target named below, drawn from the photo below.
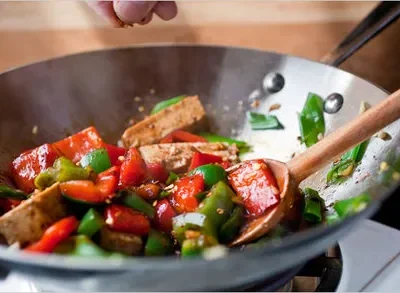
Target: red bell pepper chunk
(256, 185)
(164, 215)
(114, 153)
(76, 146)
(29, 164)
(7, 205)
(93, 192)
(225, 164)
(200, 159)
(182, 136)
(157, 172)
(133, 169)
(123, 219)
(54, 235)
(183, 196)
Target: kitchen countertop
(42, 30)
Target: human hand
(123, 13)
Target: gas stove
(368, 259)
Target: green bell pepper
(172, 177)
(232, 226)
(195, 246)
(311, 119)
(351, 206)
(134, 201)
(218, 206)
(63, 170)
(167, 103)
(201, 196)
(261, 122)
(211, 173)
(98, 160)
(192, 221)
(11, 193)
(313, 206)
(81, 245)
(157, 244)
(91, 223)
(278, 232)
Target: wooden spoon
(291, 174)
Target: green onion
(172, 178)
(311, 120)
(134, 201)
(11, 193)
(351, 206)
(165, 104)
(164, 194)
(218, 138)
(313, 206)
(261, 122)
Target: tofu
(176, 157)
(125, 243)
(27, 222)
(188, 115)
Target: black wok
(65, 95)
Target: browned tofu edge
(27, 222)
(125, 243)
(188, 115)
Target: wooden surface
(33, 31)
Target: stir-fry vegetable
(157, 244)
(313, 206)
(218, 138)
(124, 219)
(184, 194)
(351, 206)
(312, 121)
(133, 169)
(91, 223)
(10, 193)
(98, 160)
(164, 215)
(261, 122)
(132, 200)
(200, 159)
(211, 174)
(165, 104)
(182, 136)
(232, 226)
(115, 153)
(172, 177)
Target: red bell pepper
(182, 136)
(256, 185)
(133, 169)
(54, 235)
(225, 164)
(200, 159)
(157, 172)
(114, 153)
(164, 215)
(7, 205)
(93, 192)
(29, 164)
(123, 219)
(76, 146)
(183, 196)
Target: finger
(105, 9)
(147, 19)
(166, 10)
(133, 11)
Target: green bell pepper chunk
(218, 206)
(218, 138)
(98, 160)
(231, 227)
(195, 246)
(278, 232)
(134, 201)
(313, 206)
(201, 196)
(81, 245)
(346, 165)
(164, 194)
(172, 177)
(11, 193)
(91, 223)
(157, 244)
(63, 170)
(311, 119)
(192, 221)
(167, 103)
(211, 173)
(351, 206)
(261, 122)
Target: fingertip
(166, 10)
(133, 11)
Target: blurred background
(33, 31)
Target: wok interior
(65, 95)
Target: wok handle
(346, 137)
(376, 21)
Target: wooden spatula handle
(346, 137)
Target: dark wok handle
(376, 21)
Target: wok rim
(80, 264)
